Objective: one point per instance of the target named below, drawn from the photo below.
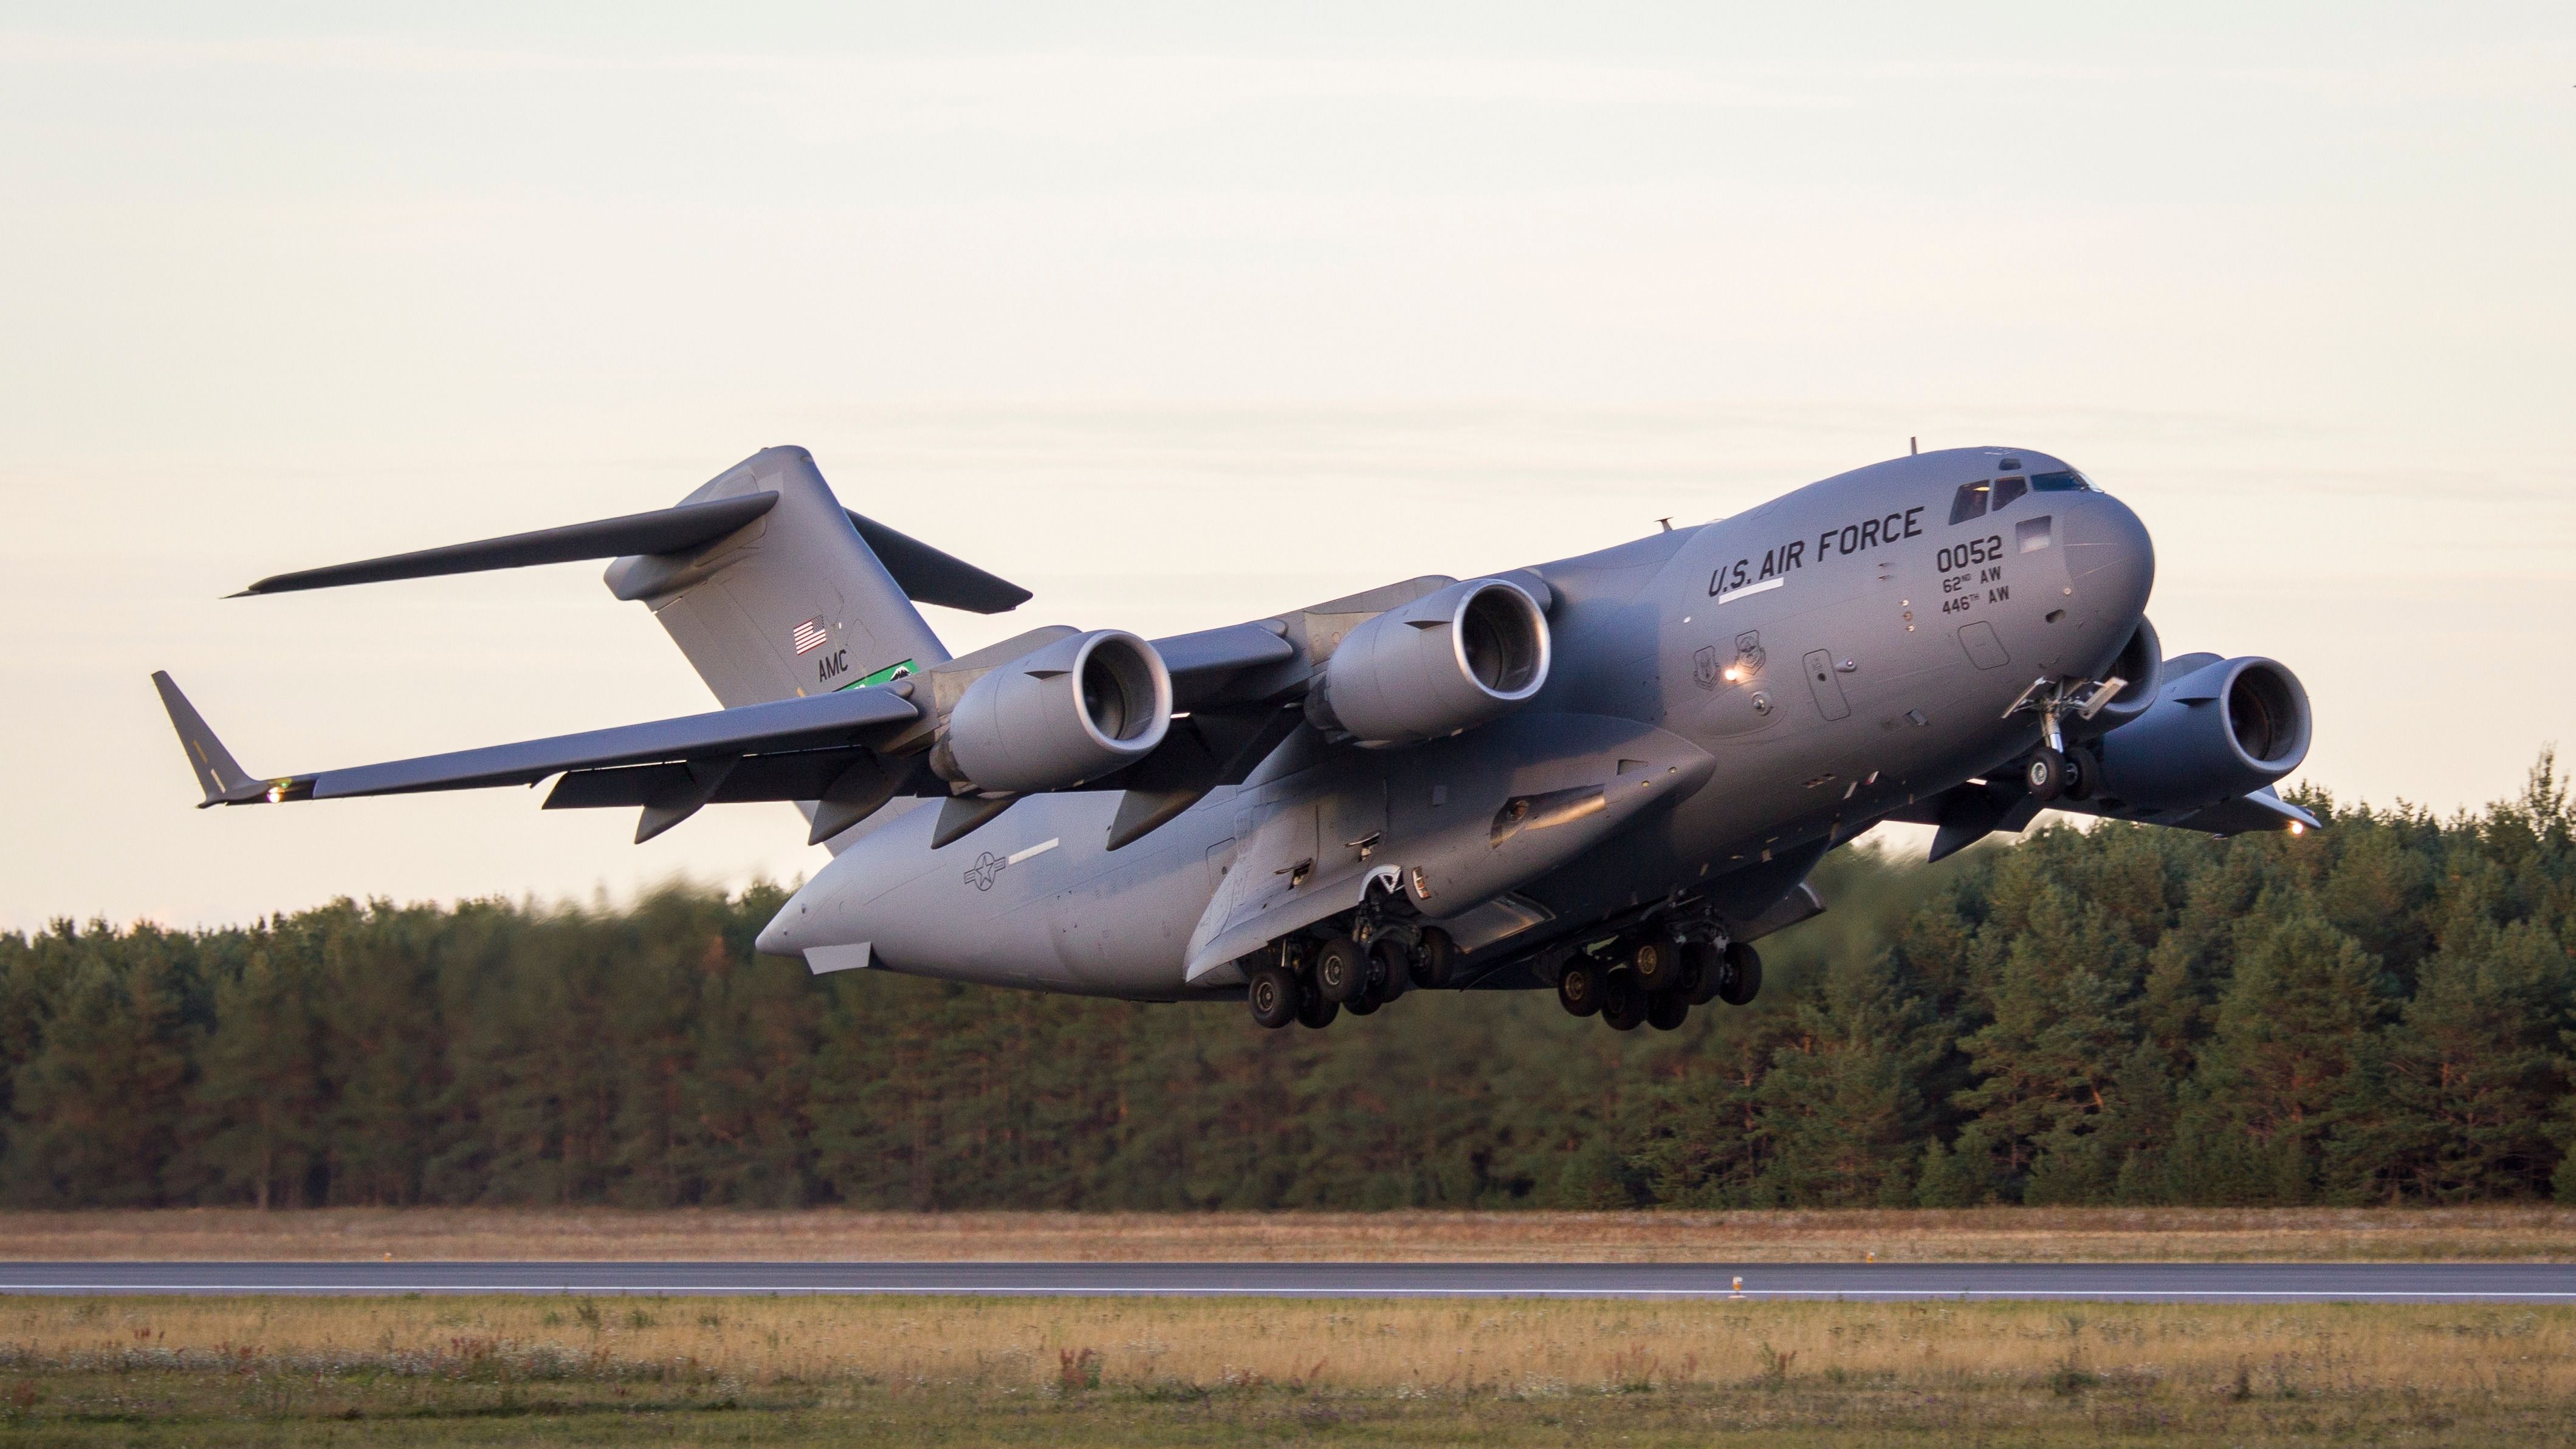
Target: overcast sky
(1181, 319)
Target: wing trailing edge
(789, 749)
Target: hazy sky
(1181, 319)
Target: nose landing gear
(2056, 768)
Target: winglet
(217, 774)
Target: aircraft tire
(2083, 772)
(1435, 961)
(1665, 1010)
(1362, 1005)
(1391, 971)
(1623, 1001)
(1703, 971)
(2045, 773)
(1578, 988)
(1658, 964)
(1274, 995)
(1314, 1011)
(1341, 971)
(1742, 980)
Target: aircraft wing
(1969, 812)
(789, 749)
(2263, 809)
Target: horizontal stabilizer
(665, 530)
(925, 574)
(928, 576)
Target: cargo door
(1826, 685)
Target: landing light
(1735, 674)
(2298, 829)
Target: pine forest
(2380, 1012)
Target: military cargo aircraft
(1606, 776)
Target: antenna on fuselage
(1913, 447)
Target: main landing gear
(1656, 982)
(1311, 982)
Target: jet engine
(1443, 663)
(1072, 711)
(2141, 663)
(2216, 731)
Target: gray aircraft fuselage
(1756, 689)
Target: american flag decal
(810, 636)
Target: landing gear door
(1826, 685)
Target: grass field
(1981, 1234)
(1077, 1372)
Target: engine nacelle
(2141, 663)
(1073, 711)
(1445, 662)
(2213, 733)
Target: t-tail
(770, 587)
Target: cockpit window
(2008, 489)
(1971, 502)
(2067, 482)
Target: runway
(2105, 1282)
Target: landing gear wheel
(2083, 773)
(1703, 971)
(1742, 979)
(1665, 1009)
(1391, 970)
(1578, 988)
(1435, 961)
(2045, 773)
(1658, 964)
(1341, 972)
(1274, 995)
(1623, 1001)
(1313, 1010)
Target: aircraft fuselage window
(2008, 489)
(2068, 482)
(1971, 502)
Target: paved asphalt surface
(2135, 1282)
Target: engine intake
(2212, 734)
(1072, 711)
(1446, 662)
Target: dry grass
(1079, 1371)
(2535, 1234)
(1516, 1347)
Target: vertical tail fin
(793, 603)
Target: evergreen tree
(97, 1106)
(2286, 1032)
(257, 1110)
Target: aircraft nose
(2110, 560)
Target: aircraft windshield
(2066, 482)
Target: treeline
(2381, 1012)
